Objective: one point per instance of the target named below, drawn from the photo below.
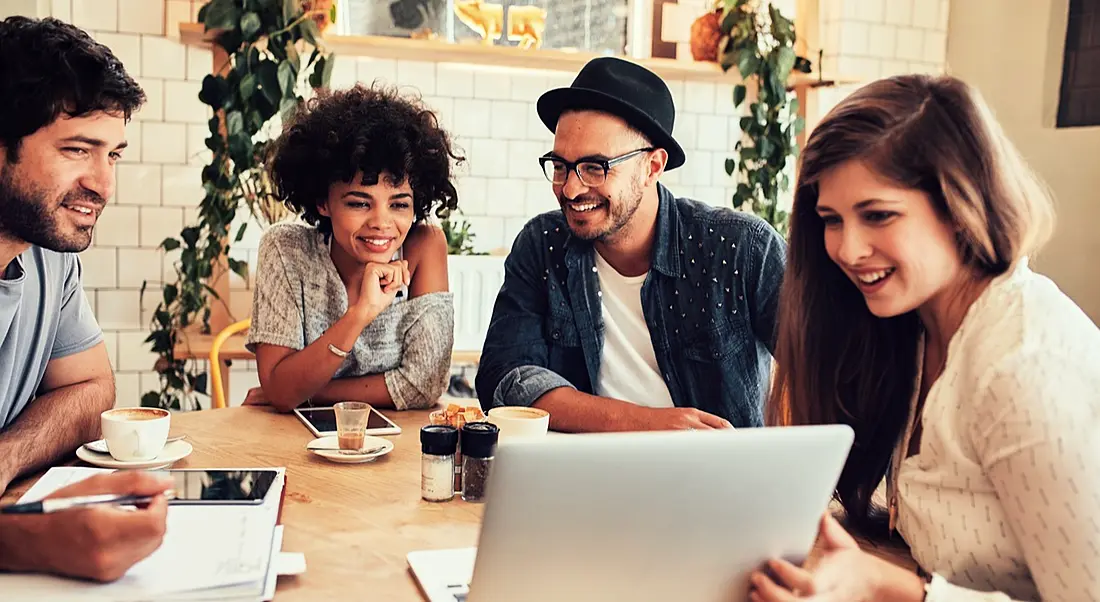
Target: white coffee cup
(515, 421)
(135, 434)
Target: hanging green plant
(267, 42)
(759, 41)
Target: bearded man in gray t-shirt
(60, 136)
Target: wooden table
(354, 522)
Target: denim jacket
(710, 302)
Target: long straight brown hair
(835, 361)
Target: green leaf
(240, 150)
(170, 293)
(799, 125)
(318, 72)
(739, 93)
(784, 62)
(240, 232)
(170, 244)
(326, 73)
(748, 62)
(782, 27)
(250, 26)
(729, 20)
(765, 147)
(287, 108)
(288, 77)
(730, 166)
(152, 398)
(234, 123)
(213, 92)
(291, 10)
(190, 235)
(268, 75)
(239, 267)
(758, 112)
(221, 14)
(309, 31)
(248, 86)
(313, 56)
(745, 123)
(292, 55)
(728, 60)
(199, 383)
(803, 65)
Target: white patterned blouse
(1002, 500)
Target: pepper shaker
(438, 443)
(479, 440)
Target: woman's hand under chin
(381, 281)
(843, 573)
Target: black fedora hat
(622, 88)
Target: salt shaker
(479, 440)
(438, 443)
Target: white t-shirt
(628, 366)
(1002, 500)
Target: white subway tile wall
(869, 39)
(490, 112)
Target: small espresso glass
(351, 425)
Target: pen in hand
(58, 504)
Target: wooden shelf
(383, 47)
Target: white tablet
(322, 422)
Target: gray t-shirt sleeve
(277, 314)
(420, 378)
(77, 328)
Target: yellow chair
(216, 366)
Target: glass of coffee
(351, 425)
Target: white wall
(1014, 57)
(869, 39)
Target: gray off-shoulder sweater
(298, 295)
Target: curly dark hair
(50, 67)
(373, 130)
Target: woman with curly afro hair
(353, 304)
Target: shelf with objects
(436, 51)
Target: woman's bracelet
(337, 351)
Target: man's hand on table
(100, 542)
(672, 419)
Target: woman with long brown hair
(909, 312)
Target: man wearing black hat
(631, 309)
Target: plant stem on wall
(759, 41)
(267, 42)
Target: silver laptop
(643, 516)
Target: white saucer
(335, 455)
(100, 446)
(172, 452)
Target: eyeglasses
(591, 172)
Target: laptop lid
(652, 516)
